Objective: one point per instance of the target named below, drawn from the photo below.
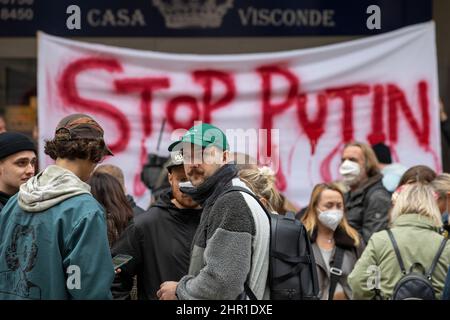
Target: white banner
(383, 88)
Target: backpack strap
(247, 289)
(397, 251)
(436, 258)
(242, 189)
(297, 260)
(335, 271)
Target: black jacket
(3, 199)
(445, 129)
(136, 209)
(367, 207)
(159, 241)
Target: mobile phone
(120, 260)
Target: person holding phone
(159, 240)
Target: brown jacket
(351, 255)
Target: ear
(170, 178)
(226, 156)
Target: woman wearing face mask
(336, 245)
(415, 225)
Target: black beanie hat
(13, 142)
(383, 153)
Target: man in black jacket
(231, 246)
(368, 201)
(159, 240)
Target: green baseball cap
(204, 135)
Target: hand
(117, 271)
(167, 291)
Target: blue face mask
(390, 182)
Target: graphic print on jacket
(53, 241)
(20, 258)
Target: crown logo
(179, 14)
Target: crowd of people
(61, 228)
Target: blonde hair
(371, 162)
(262, 182)
(309, 219)
(417, 198)
(441, 184)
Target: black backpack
(292, 268)
(414, 285)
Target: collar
(341, 238)
(415, 220)
(4, 197)
(369, 183)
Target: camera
(152, 171)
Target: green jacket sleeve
(365, 275)
(87, 260)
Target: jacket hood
(165, 202)
(49, 188)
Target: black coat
(368, 206)
(159, 241)
(136, 209)
(3, 199)
(445, 129)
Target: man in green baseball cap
(205, 149)
(232, 225)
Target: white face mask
(186, 184)
(331, 218)
(350, 171)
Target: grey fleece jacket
(231, 246)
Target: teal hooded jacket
(53, 241)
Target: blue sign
(208, 18)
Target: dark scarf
(212, 187)
(341, 238)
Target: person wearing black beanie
(17, 163)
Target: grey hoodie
(50, 187)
